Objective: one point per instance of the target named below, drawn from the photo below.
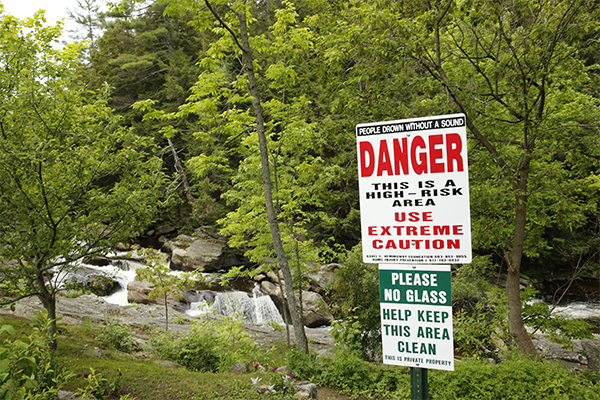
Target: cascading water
(255, 308)
(123, 275)
(121, 270)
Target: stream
(258, 308)
(255, 307)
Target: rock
(137, 292)
(316, 311)
(283, 370)
(122, 247)
(202, 253)
(591, 348)
(181, 241)
(270, 288)
(168, 364)
(324, 279)
(64, 395)
(95, 353)
(165, 229)
(302, 395)
(306, 387)
(195, 296)
(263, 389)
(555, 351)
(273, 276)
(88, 278)
(102, 285)
(238, 368)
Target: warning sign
(414, 191)
(416, 316)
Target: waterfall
(123, 274)
(255, 308)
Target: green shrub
(28, 369)
(515, 379)
(356, 297)
(98, 387)
(348, 372)
(117, 335)
(211, 345)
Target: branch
(225, 26)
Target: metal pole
(419, 388)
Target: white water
(579, 310)
(256, 308)
(123, 277)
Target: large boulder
(591, 348)
(324, 279)
(201, 254)
(316, 311)
(94, 280)
(205, 250)
(138, 292)
(195, 296)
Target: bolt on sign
(414, 190)
(416, 316)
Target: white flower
(255, 380)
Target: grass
(144, 378)
(82, 350)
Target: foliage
(158, 273)
(516, 379)
(73, 183)
(559, 329)
(481, 319)
(482, 330)
(472, 282)
(356, 301)
(98, 387)
(472, 379)
(213, 344)
(117, 335)
(28, 368)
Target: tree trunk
(48, 301)
(299, 333)
(166, 313)
(181, 172)
(517, 329)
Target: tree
(512, 68)
(231, 21)
(158, 273)
(73, 183)
(91, 20)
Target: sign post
(415, 221)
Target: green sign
(415, 287)
(416, 316)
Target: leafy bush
(481, 328)
(559, 329)
(28, 369)
(211, 345)
(517, 379)
(357, 298)
(117, 335)
(98, 387)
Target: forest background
(202, 80)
